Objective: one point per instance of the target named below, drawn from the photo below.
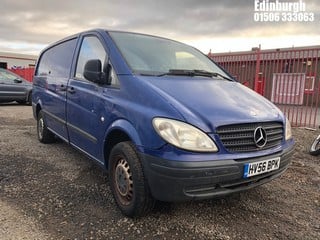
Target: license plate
(257, 168)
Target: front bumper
(174, 181)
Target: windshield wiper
(216, 74)
(192, 73)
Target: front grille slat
(230, 144)
(240, 137)
(275, 132)
(235, 137)
(276, 138)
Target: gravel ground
(55, 192)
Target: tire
(127, 181)
(29, 100)
(21, 102)
(315, 147)
(44, 134)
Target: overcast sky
(27, 26)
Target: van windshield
(149, 55)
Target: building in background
(16, 60)
(21, 64)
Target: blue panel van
(163, 119)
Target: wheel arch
(120, 131)
(37, 109)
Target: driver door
(85, 108)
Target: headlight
(288, 130)
(183, 135)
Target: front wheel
(315, 147)
(127, 181)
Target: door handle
(63, 87)
(71, 90)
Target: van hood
(208, 103)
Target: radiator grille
(240, 137)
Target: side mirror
(92, 71)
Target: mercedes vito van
(163, 119)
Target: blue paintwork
(208, 103)
(203, 102)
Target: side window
(91, 48)
(57, 60)
(7, 77)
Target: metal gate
(287, 77)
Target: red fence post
(256, 77)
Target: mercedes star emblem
(260, 137)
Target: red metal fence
(26, 73)
(287, 77)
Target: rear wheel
(44, 134)
(315, 147)
(29, 100)
(127, 181)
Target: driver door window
(91, 48)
